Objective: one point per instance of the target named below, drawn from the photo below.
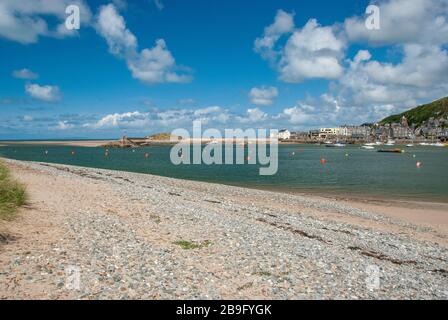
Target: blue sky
(293, 64)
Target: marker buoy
(106, 153)
(346, 154)
(323, 161)
(413, 156)
(419, 164)
(46, 151)
(146, 155)
(73, 153)
(248, 158)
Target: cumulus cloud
(363, 88)
(64, 125)
(263, 96)
(156, 65)
(25, 74)
(127, 119)
(166, 119)
(44, 93)
(26, 20)
(313, 51)
(283, 24)
(151, 65)
(403, 21)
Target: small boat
(335, 145)
(370, 144)
(390, 143)
(378, 143)
(424, 144)
(409, 145)
(367, 147)
(391, 150)
(437, 144)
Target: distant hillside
(437, 109)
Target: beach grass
(188, 245)
(12, 194)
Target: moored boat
(335, 145)
(391, 150)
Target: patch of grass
(12, 194)
(188, 245)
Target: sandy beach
(72, 143)
(138, 236)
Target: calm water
(361, 173)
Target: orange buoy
(419, 164)
(248, 158)
(323, 161)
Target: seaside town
(433, 130)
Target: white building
(328, 132)
(284, 134)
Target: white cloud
(25, 74)
(44, 93)
(263, 96)
(312, 52)
(207, 111)
(283, 24)
(64, 125)
(403, 21)
(364, 88)
(127, 119)
(154, 65)
(26, 20)
(253, 116)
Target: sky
(140, 67)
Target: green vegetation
(437, 109)
(187, 245)
(12, 194)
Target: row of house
(432, 129)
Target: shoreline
(125, 232)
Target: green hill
(437, 109)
